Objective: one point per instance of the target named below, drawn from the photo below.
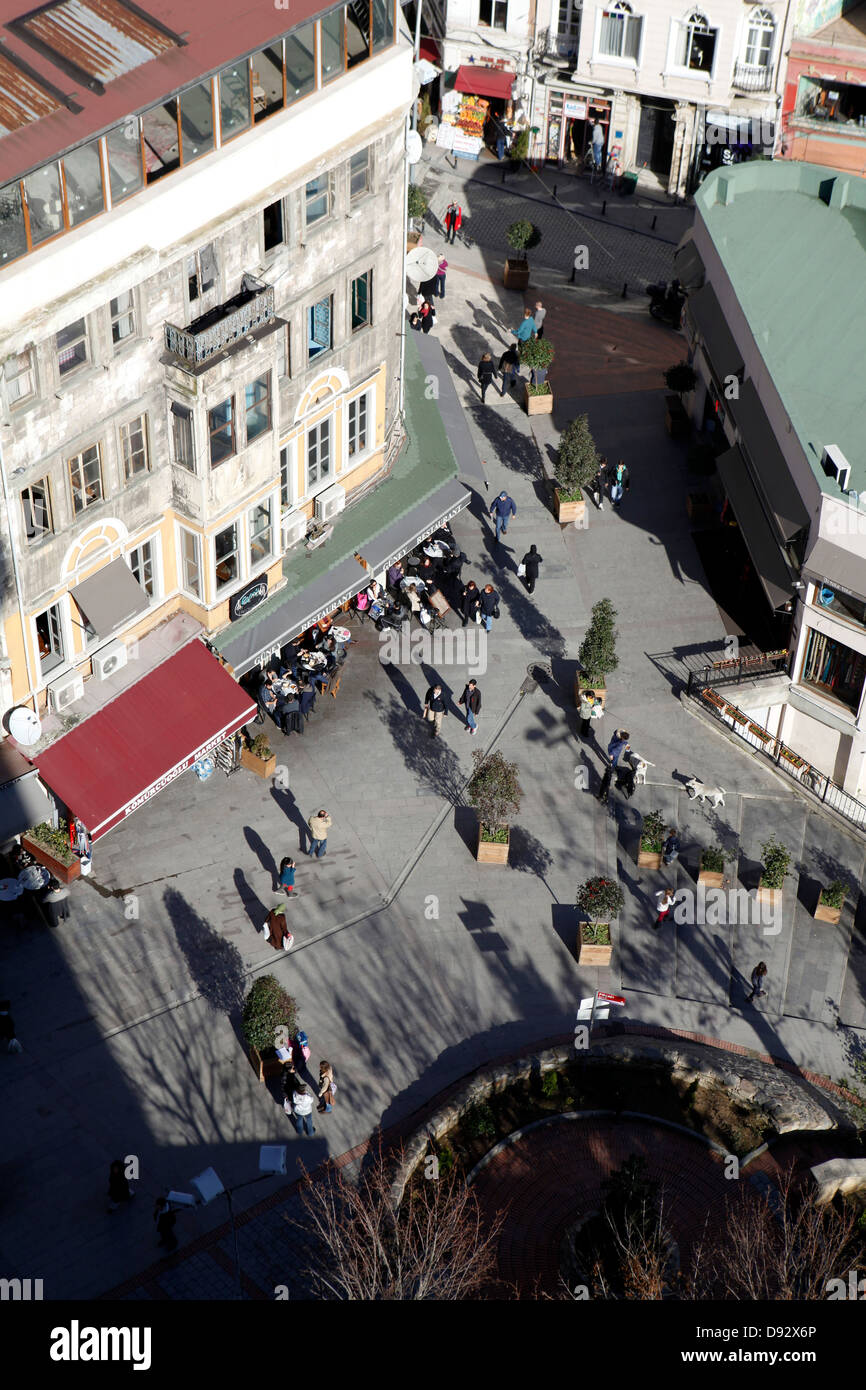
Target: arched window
(620, 33)
(697, 43)
(760, 33)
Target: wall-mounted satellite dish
(425, 72)
(414, 146)
(421, 264)
(24, 725)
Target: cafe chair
(335, 685)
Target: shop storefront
(476, 110)
(568, 122)
(726, 138)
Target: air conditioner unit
(835, 465)
(65, 692)
(330, 502)
(294, 530)
(109, 660)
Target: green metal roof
(792, 238)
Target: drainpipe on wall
(401, 402)
(30, 681)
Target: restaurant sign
(249, 598)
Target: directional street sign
(610, 998)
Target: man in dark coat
(489, 605)
(435, 709)
(509, 366)
(471, 701)
(486, 374)
(530, 562)
(470, 602)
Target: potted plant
(600, 898)
(51, 848)
(537, 354)
(597, 654)
(495, 793)
(519, 150)
(521, 236)
(258, 757)
(831, 900)
(776, 858)
(416, 208)
(576, 466)
(269, 1020)
(679, 380)
(652, 838)
(713, 861)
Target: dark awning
(762, 544)
(689, 267)
(480, 81)
(453, 415)
(832, 563)
(23, 803)
(705, 312)
(110, 598)
(768, 461)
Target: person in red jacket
(453, 220)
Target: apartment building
(824, 110)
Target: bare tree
(433, 1246)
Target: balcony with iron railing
(249, 312)
(751, 77)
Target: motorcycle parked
(666, 302)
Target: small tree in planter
(682, 378)
(269, 1020)
(831, 900)
(776, 859)
(652, 838)
(597, 652)
(495, 793)
(521, 236)
(577, 463)
(259, 757)
(416, 208)
(679, 380)
(519, 150)
(51, 848)
(537, 354)
(713, 861)
(599, 898)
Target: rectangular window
(493, 14)
(49, 638)
(333, 51)
(260, 533)
(85, 477)
(759, 41)
(133, 447)
(318, 453)
(843, 605)
(13, 233)
(273, 225)
(620, 34)
(234, 86)
(20, 377)
(267, 74)
(362, 300)
(319, 327)
(221, 428)
(285, 479)
(125, 172)
(357, 32)
(257, 403)
(44, 193)
(161, 136)
(360, 174)
(71, 347)
(36, 506)
(834, 669)
(201, 272)
(181, 436)
(122, 317)
(318, 199)
(383, 24)
(82, 170)
(696, 45)
(300, 62)
(191, 564)
(226, 556)
(196, 121)
(141, 562)
(357, 426)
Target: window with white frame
(493, 14)
(20, 377)
(133, 447)
(357, 425)
(318, 199)
(182, 437)
(285, 478)
(190, 560)
(695, 43)
(85, 478)
(620, 33)
(49, 639)
(122, 311)
(226, 566)
(760, 35)
(71, 343)
(360, 173)
(257, 405)
(261, 536)
(318, 453)
(142, 562)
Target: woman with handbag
(327, 1087)
(527, 570)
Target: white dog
(696, 788)
(640, 766)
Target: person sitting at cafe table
(267, 696)
(395, 574)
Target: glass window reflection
(83, 172)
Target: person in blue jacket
(502, 509)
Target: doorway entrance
(655, 141)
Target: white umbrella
(10, 889)
(421, 264)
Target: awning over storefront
(471, 469)
(110, 598)
(705, 311)
(429, 50)
(838, 566)
(481, 81)
(23, 803)
(688, 264)
(111, 764)
(769, 463)
(757, 532)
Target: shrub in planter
(261, 748)
(775, 858)
(536, 354)
(267, 1008)
(479, 1121)
(55, 841)
(577, 460)
(541, 388)
(595, 933)
(416, 204)
(652, 832)
(597, 652)
(834, 894)
(519, 149)
(522, 236)
(714, 858)
(495, 793)
(682, 378)
(600, 898)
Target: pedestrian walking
(165, 1220)
(7, 1028)
(665, 899)
(502, 509)
(327, 1088)
(301, 1106)
(287, 876)
(55, 902)
(300, 1050)
(470, 602)
(671, 847)
(119, 1189)
(527, 570)
(486, 374)
(471, 700)
(604, 786)
(319, 825)
(588, 703)
(453, 221)
(526, 328)
(599, 484)
(435, 709)
(620, 483)
(618, 745)
(759, 974)
(539, 316)
(509, 366)
(427, 316)
(439, 279)
(276, 929)
(489, 605)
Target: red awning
(484, 82)
(429, 49)
(118, 759)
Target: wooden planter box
(588, 954)
(568, 511)
(710, 879)
(66, 873)
(676, 417)
(262, 767)
(538, 405)
(599, 690)
(649, 858)
(769, 897)
(489, 853)
(515, 275)
(823, 913)
(265, 1067)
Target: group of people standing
(531, 326)
(298, 1096)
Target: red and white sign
(609, 998)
